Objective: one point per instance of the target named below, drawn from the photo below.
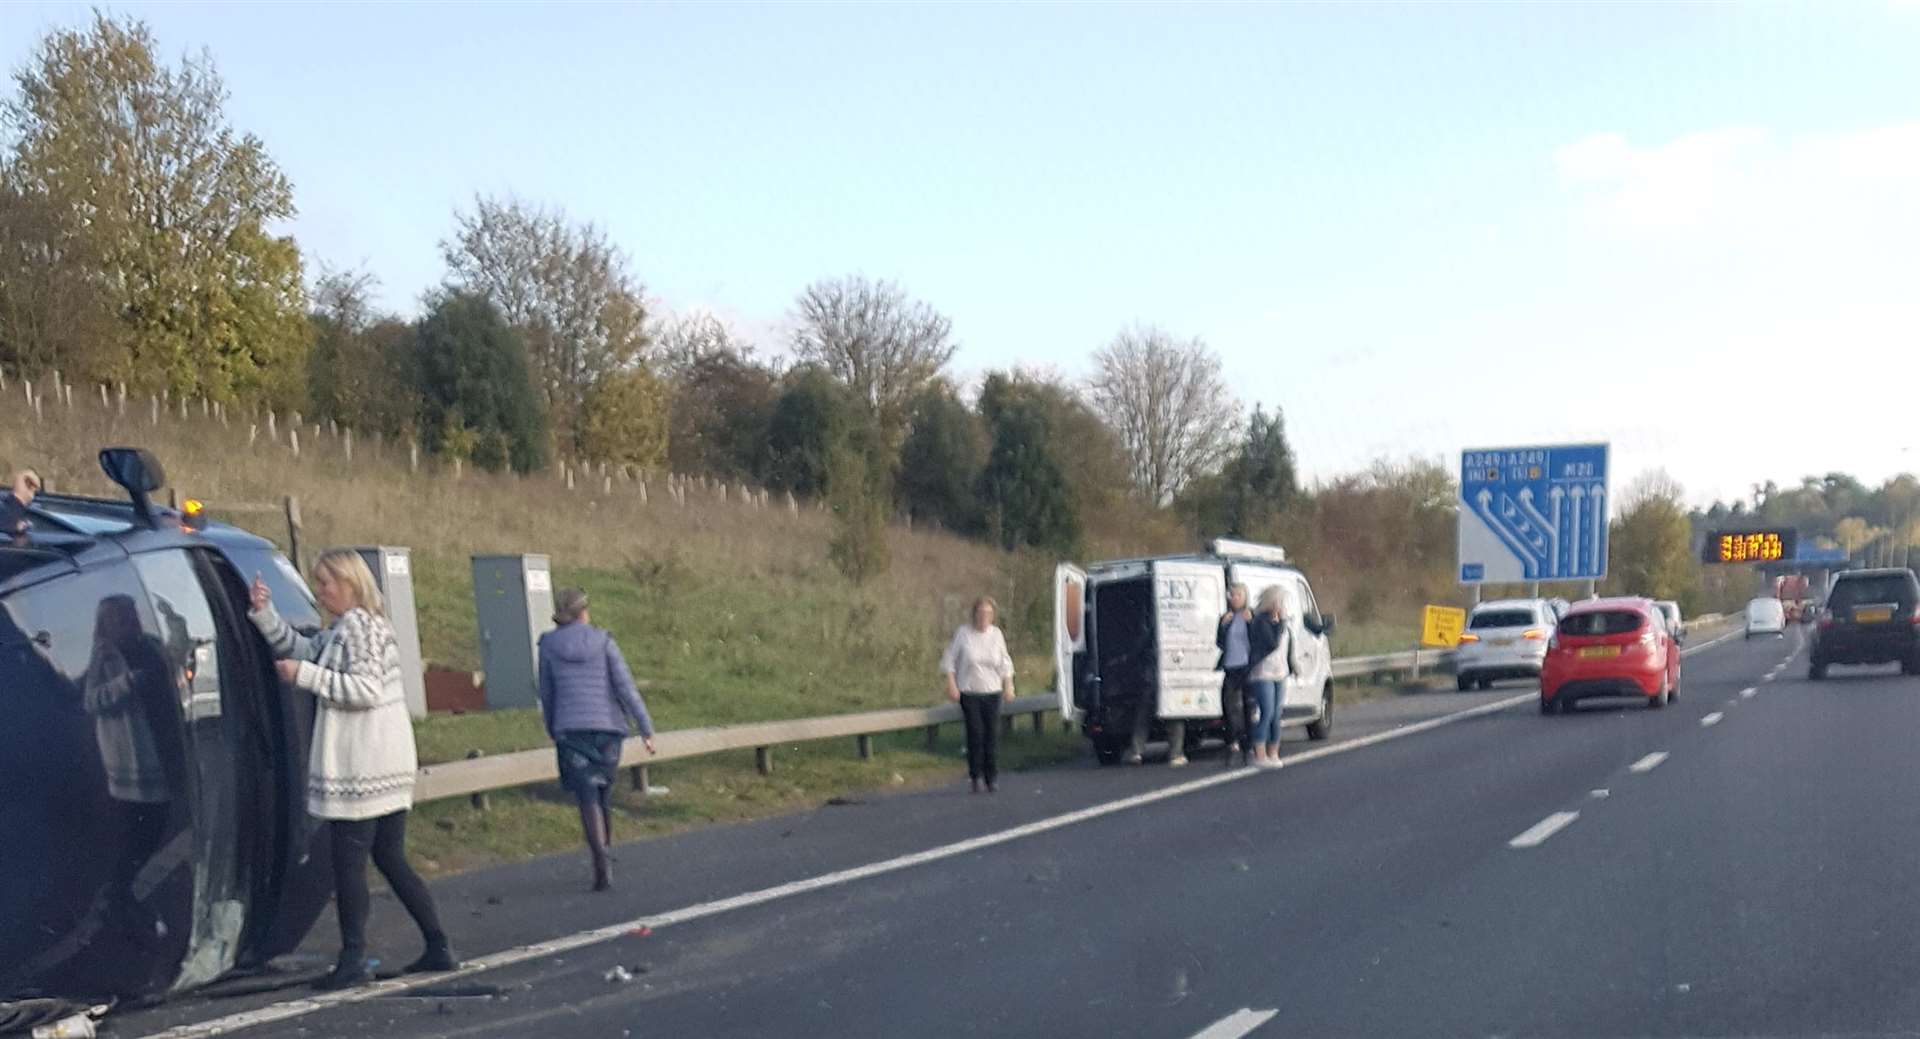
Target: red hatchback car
(1610, 647)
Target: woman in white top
(979, 676)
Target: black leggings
(385, 839)
(982, 713)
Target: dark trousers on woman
(1237, 706)
(384, 840)
(982, 713)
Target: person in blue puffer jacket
(586, 697)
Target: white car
(1765, 616)
(1506, 638)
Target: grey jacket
(585, 684)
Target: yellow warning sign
(1440, 625)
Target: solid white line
(1691, 650)
(1747, 693)
(1711, 719)
(521, 954)
(1648, 763)
(1236, 1024)
(1540, 831)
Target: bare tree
(564, 287)
(883, 345)
(681, 342)
(1169, 403)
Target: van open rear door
(1069, 630)
(1188, 599)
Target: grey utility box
(392, 568)
(513, 601)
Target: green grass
(448, 836)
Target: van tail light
(1534, 634)
(1468, 636)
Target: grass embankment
(731, 612)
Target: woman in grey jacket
(586, 696)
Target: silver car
(1506, 638)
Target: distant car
(1610, 648)
(1560, 608)
(1765, 616)
(1871, 617)
(1506, 638)
(1670, 610)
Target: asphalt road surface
(1739, 863)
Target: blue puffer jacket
(584, 683)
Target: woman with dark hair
(361, 767)
(586, 697)
(979, 676)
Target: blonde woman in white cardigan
(361, 766)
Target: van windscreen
(1501, 619)
(1601, 622)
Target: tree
(858, 492)
(357, 372)
(941, 461)
(1854, 534)
(1252, 488)
(812, 416)
(54, 311)
(1169, 403)
(565, 288)
(883, 346)
(624, 418)
(1027, 498)
(138, 172)
(1650, 549)
(476, 397)
(721, 411)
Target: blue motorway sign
(1816, 554)
(1533, 514)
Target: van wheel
(1486, 684)
(1816, 669)
(1108, 751)
(1463, 683)
(1911, 665)
(1322, 727)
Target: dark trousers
(1236, 705)
(982, 712)
(385, 841)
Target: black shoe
(437, 959)
(348, 973)
(973, 786)
(991, 788)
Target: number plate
(1599, 652)
(1501, 642)
(1873, 615)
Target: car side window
(1309, 610)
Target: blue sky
(1414, 228)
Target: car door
(1311, 657)
(1069, 631)
(1188, 599)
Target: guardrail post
(763, 760)
(1039, 720)
(480, 803)
(1006, 725)
(933, 736)
(638, 773)
(864, 743)
(1416, 662)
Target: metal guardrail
(476, 776)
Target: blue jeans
(1266, 693)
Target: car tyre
(1911, 665)
(1322, 727)
(1108, 751)
(1463, 682)
(1659, 700)
(1548, 706)
(1816, 669)
(1485, 684)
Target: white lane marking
(1601, 794)
(1691, 650)
(1747, 693)
(1768, 677)
(1648, 763)
(1538, 833)
(1236, 1024)
(1711, 719)
(566, 943)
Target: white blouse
(977, 660)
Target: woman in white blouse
(979, 675)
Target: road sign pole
(1476, 594)
(1533, 590)
(1593, 589)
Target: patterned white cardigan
(362, 762)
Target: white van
(1145, 627)
(1766, 616)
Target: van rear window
(1601, 622)
(1851, 592)
(1501, 619)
